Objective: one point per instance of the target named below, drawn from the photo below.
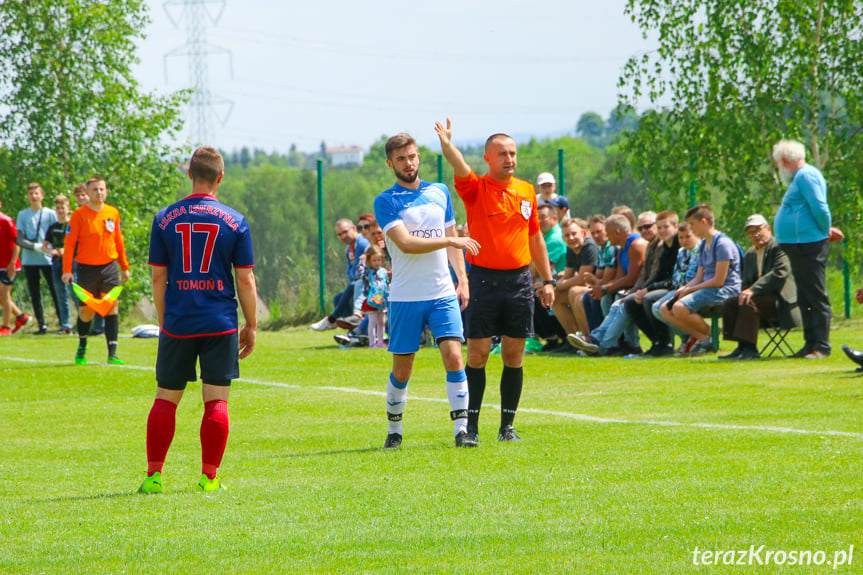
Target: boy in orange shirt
(94, 229)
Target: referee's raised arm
(450, 152)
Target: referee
(501, 216)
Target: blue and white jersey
(426, 213)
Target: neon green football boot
(207, 484)
(113, 359)
(152, 484)
(81, 355)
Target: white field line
(563, 414)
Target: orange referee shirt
(97, 237)
(501, 217)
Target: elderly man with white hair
(802, 229)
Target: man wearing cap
(562, 206)
(545, 187)
(769, 292)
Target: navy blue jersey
(200, 240)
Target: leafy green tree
(591, 128)
(72, 108)
(731, 78)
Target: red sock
(160, 433)
(214, 436)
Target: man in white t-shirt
(419, 223)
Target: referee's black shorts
(177, 356)
(99, 280)
(501, 303)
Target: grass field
(627, 466)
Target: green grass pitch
(627, 466)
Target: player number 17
(185, 230)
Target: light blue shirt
(33, 225)
(804, 216)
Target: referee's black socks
(112, 333)
(511, 381)
(476, 389)
(83, 331)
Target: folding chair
(777, 341)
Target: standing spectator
(419, 221)
(501, 213)
(9, 251)
(81, 199)
(53, 246)
(344, 302)
(197, 245)
(95, 240)
(33, 224)
(375, 295)
(802, 227)
(717, 279)
(545, 187)
(768, 292)
(551, 233)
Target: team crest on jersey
(526, 209)
(109, 224)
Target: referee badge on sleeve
(526, 209)
(109, 224)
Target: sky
(347, 73)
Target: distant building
(346, 156)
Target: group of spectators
(61, 246)
(622, 275)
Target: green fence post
(846, 277)
(322, 288)
(561, 173)
(440, 168)
(693, 187)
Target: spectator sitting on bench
(582, 255)
(629, 265)
(769, 292)
(717, 279)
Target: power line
(204, 107)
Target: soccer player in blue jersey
(419, 223)
(195, 246)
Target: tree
(591, 129)
(731, 78)
(72, 108)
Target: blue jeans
(64, 292)
(615, 324)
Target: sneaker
(21, 321)
(361, 340)
(342, 339)
(817, 354)
(507, 434)
(465, 439)
(152, 484)
(81, 355)
(702, 347)
(349, 322)
(583, 342)
(5, 331)
(324, 325)
(686, 348)
(114, 360)
(64, 331)
(41, 331)
(207, 484)
(394, 441)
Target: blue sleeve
(815, 195)
(385, 212)
(158, 256)
(726, 249)
(449, 218)
(362, 245)
(243, 257)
